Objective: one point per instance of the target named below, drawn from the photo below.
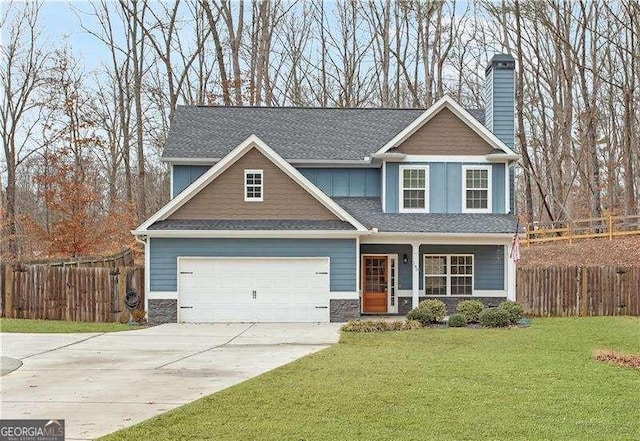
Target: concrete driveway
(100, 383)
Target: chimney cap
(501, 62)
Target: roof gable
(445, 134)
(462, 114)
(252, 142)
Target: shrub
(380, 325)
(514, 309)
(423, 316)
(436, 308)
(494, 317)
(457, 321)
(471, 309)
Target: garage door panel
(286, 290)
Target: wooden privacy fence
(579, 291)
(88, 294)
(570, 230)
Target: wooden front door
(375, 284)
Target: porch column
(511, 274)
(415, 273)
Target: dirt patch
(617, 358)
(622, 251)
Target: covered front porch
(397, 272)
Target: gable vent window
(253, 185)
(414, 189)
(477, 189)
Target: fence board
(585, 291)
(94, 294)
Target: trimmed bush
(436, 308)
(380, 325)
(514, 309)
(423, 316)
(457, 321)
(494, 318)
(471, 309)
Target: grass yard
(529, 383)
(58, 326)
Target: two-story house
(325, 214)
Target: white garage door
(253, 289)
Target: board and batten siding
(345, 182)
(184, 175)
(338, 182)
(164, 253)
(223, 198)
(445, 134)
(488, 263)
(445, 187)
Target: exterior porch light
(405, 258)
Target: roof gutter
(366, 162)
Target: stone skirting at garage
(343, 310)
(162, 311)
(452, 302)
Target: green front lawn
(59, 326)
(529, 383)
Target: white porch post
(511, 274)
(415, 273)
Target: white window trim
(489, 208)
(448, 274)
(254, 172)
(401, 189)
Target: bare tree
(23, 71)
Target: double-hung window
(476, 197)
(414, 189)
(450, 275)
(253, 186)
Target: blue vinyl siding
(499, 188)
(184, 175)
(391, 187)
(500, 104)
(345, 182)
(488, 263)
(404, 269)
(164, 253)
(445, 187)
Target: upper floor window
(253, 185)
(414, 189)
(476, 189)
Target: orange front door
(374, 284)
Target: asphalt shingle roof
(368, 211)
(294, 132)
(178, 224)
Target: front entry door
(375, 284)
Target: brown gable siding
(445, 134)
(223, 198)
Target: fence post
(570, 231)
(584, 288)
(8, 291)
(610, 227)
(122, 292)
